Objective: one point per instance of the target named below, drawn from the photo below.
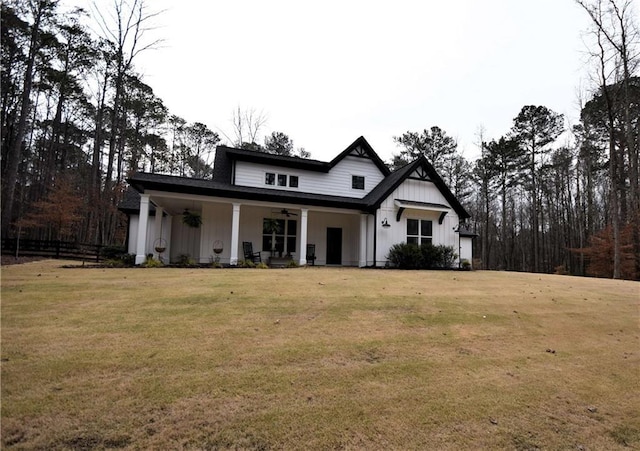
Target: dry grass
(316, 358)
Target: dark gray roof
(131, 202)
(231, 153)
(222, 183)
(223, 165)
(142, 181)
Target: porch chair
(311, 254)
(247, 248)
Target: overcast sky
(327, 72)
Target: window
(419, 231)
(285, 235)
(271, 178)
(357, 182)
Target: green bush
(425, 256)
(292, 264)
(186, 261)
(262, 265)
(151, 262)
(430, 256)
(447, 256)
(246, 264)
(405, 256)
(121, 261)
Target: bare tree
(40, 11)
(246, 127)
(617, 42)
(124, 28)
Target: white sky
(327, 72)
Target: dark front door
(334, 246)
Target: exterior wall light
(385, 223)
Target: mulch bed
(9, 260)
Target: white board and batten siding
(216, 221)
(132, 243)
(317, 234)
(337, 182)
(419, 191)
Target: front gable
(419, 182)
(360, 148)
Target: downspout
(375, 238)
(459, 248)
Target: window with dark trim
(282, 179)
(419, 231)
(357, 182)
(270, 178)
(293, 181)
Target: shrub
(150, 262)
(447, 256)
(465, 264)
(121, 261)
(246, 264)
(292, 264)
(185, 260)
(405, 256)
(430, 255)
(425, 256)
(262, 265)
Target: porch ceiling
(175, 204)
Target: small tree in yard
(600, 253)
(58, 215)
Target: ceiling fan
(284, 212)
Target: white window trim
(419, 235)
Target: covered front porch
(275, 230)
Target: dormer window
(270, 178)
(282, 179)
(357, 182)
(293, 181)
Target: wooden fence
(50, 248)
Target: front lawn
(316, 358)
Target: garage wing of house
(348, 211)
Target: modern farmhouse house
(272, 208)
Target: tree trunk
(15, 151)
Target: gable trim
(376, 199)
(365, 152)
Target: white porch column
(141, 244)
(235, 233)
(363, 240)
(304, 213)
(157, 230)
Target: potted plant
(191, 219)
